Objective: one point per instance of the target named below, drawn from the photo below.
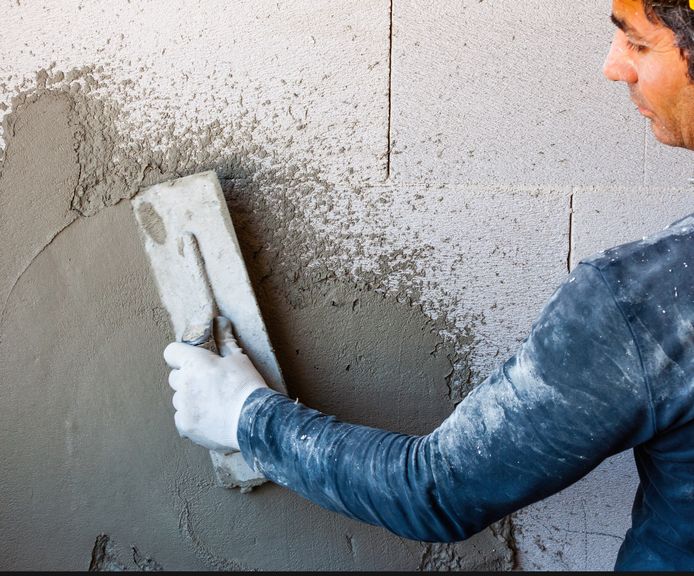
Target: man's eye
(635, 47)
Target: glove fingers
(175, 379)
(177, 401)
(224, 337)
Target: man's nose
(619, 65)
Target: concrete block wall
(433, 169)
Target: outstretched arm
(573, 395)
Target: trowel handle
(200, 335)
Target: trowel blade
(196, 283)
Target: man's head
(653, 52)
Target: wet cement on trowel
(85, 407)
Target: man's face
(645, 56)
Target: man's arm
(573, 395)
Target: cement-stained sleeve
(574, 394)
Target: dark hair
(679, 17)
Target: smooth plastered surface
(406, 197)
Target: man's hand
(209, 389)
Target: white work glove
(210, 389)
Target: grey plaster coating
(359, 355)
(84, 405)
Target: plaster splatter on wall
(82, 332)
(293, 212)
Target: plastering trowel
(199, 270)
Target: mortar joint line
(571, 230)
(390, 86)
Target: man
(608, 366)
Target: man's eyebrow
(624, 27)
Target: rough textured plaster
(107, 556)
(604, 218)
(582, 527)
(489, 92)
(486, 258)
(310, 79)
(82, 337)
(454, 557)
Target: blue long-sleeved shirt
(608, 366)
